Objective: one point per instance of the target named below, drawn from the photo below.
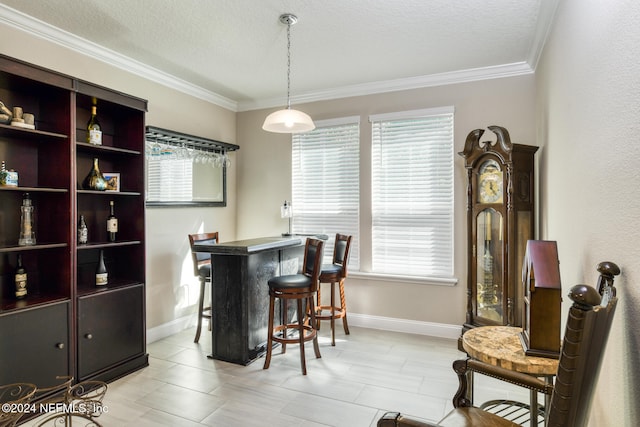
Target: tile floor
(366, 374)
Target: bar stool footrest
(338, 313)
(514, 411)
(285, 338)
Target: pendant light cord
(289, 65)
(288, 120)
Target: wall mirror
(185, 170)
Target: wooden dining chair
(587, 330)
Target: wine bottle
(112, 223)
(94, 131)
(21, 279)
(83, 232)
(102, 276)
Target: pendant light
(288, 120)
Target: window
(325, 182)
(169, 179)
(412, 193)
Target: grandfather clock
(500, 220)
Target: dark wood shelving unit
(100, 148)
(66, 326)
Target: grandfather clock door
(488, 298)
(499, 223)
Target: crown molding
(462, 76)
(42, 30)
(545, 22)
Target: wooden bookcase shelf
(45, 335)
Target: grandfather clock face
(490, 188)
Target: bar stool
(202, 270)
(301, 288)
(335, 273)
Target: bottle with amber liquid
(20, 279)
(102, 276)
(94, 131)
(112, 223)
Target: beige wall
(264, 182)
(585, 118)
(171, 288)
(588, 120)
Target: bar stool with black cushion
(302, 288)
(202, 270)
(335, 273)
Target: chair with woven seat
(335, 273)
(301, 288)
(587, 330)
(202, 270)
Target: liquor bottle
(94, 131)
(83, 232)
(21, 279)
(27, 235)
(102, 276)
(112, 223)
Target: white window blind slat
(326, 183)
(169, 179)
(412, 194)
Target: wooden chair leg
(333, 314)
(343, 305)
(267, 359)
(314, 323)
(200, 309)
(301, 316)
(285, 320)
(318, 304)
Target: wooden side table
(500, 346)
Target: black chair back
(341, 251)
(313, 254)
(200, 258)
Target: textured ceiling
(236, 49)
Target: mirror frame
(170, 137)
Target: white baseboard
(170, 328)
(440, 330)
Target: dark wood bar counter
(240, 294)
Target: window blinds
(412, 193)
(169, 179)
(325, 183)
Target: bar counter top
(250, 246)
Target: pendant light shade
(288, 120)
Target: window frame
(444, 272)
(349, 203)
